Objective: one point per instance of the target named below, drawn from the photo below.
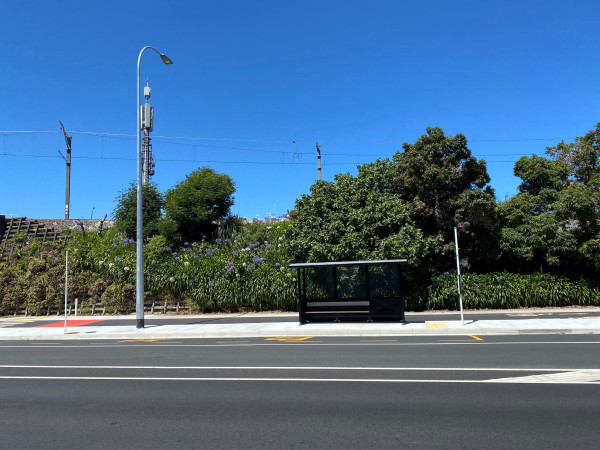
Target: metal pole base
(139, 323)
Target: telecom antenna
(147, 115)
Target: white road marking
(318, 380)
(398, 369)
(577, 376)
(542, 375)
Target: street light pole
(139, 297)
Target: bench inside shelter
(334, 291)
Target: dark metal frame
(391, 308)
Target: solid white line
(399, 369)
(319, 380)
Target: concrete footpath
(89, 327)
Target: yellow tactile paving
(435, 325)
(289, 338)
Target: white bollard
(66, 285)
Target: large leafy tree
(553, 223)
(539, 174)
(532, 236)
(434, 172)
(348, 219)
(125, 212)
(195, 205)
(404, 208)
(582, 156)
(447, 187)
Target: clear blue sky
(257, 83)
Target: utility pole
(147, 113)
(68, 161)
(319, 161)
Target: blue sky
(255, 84)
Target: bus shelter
(346, 290)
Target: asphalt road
(415, 392)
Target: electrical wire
(168, 140)
(109, 158)
(274, 141)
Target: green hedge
(245, 272)
(502, 291)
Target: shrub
(503, 291)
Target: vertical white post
(66, 286)
(76, 303)
(458, 276)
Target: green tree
(195, 205)
(404, 208)
(125, 212)
(447, 187)
(539, 173)
(553, 223)
(578, 209)
(582, 156)
(349, 220)
(579, 204)
(532, 237)
(433, 172)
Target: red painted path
(70, 323)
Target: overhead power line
(111, 158)
(281, 141)
(259, 163)
(191, 142)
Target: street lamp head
(165, 59)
